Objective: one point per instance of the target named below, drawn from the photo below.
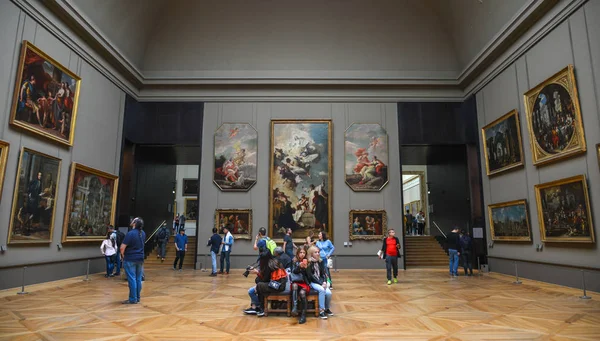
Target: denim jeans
(453, 261)
(109, 264)
(324, 295)
(118, 264)
(134, 271)
(162, 247)
(225, 258)
(213, 257)
(391, 262)
(253, 296)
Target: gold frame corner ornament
(75, 167)
(509, 238)
(566, 79)
(27, 45)
(384, 226)
(247, 236)
(504, 117)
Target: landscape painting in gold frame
(45, 97)
(509, 221)
(91, 204)
(554, 118)
(239, 222)
(368, 224)
(502, 144)
(564, 211)
(4, 149)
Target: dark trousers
(180, 256)
(467, 264)
(262, 289)
(118, 265)
(225, 258)
(391, 262)
(420, 228)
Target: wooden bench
(287, 297)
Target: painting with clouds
(235, 157)
(366, 157)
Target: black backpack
(120, 237)
(162, 234)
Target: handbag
(296, 278)
(330, 263)
(275, 285)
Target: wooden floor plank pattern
(190, 305)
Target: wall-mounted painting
(366, 157)
(300, 177)
(597, 152)
(45, 97)
(554, 118)
(564, 210)
(191, 209)
(4, 148)
(509, 221)
(239, 222)
(368, 224)
(502, 144)
(236, 157)
(34, 200)
(189, 187)
(91, 204)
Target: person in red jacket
(390, 251)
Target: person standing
(132, 252)
(182, 221)
(288, 243)
(408, 220)
(162, 238)
(118, 236)
(390, 251)
(453, 244)
(215, 243)
(176, 224)
(226, 249)
(421, 223)
(466, 247)
(326, 250)
(181, 241)
(109, 250)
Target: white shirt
(107, 248)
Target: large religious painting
(300, 178)
(509, 221)
(4, 147)
(91, 204)
(189, 187)
(564, 210)
(190, 208)
(239, 222)
(34, 200)
(366, 157)
(554, 118)
(368, 224)
(236, 157)
(502, 144)
(45, 97)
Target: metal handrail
(156, 229)
(439, 229)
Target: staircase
(188, 261)
(423, 251)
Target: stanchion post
(585, 296)
(87, 272)
(335, 269)
(23, 292)
(478, 267)
(517, 275)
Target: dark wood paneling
(154, 193)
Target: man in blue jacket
(215, 243)
(226, 249)
(181, 241)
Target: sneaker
(322, 315)
(389, 282)
(395, 280)
(328, 312)
(214, 274)
(128, 302)
(260, 313)
(180, 270)
(250, 311)
(174, 268)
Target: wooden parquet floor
(190, 305)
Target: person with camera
(300, 285)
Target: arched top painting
(236, 157)
(366, 157)
(554, 118)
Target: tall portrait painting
(238, 221)
(564, 211)
(368, 224)
(554, 118)
(34, 200)
(4, 148)
(366, 157)
(190, 209)
(91, 204)
(502, 144)
(300, 178)
(509, 221)
(236, 157)
(45, 97)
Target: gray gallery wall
(362, 254)
(97, 144)
(576, 41)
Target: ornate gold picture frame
(564, 211)
(509, 221)
(4, 150)
(367, 224)
(554, 118)
(366, 157)
(502, 144)
(91, 204)
(238, 220)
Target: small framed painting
(509, 221)
(239, 222)
(4, 147)
(367, 224)
(502, 144)
(191, 209)
(189, 188)
(564, 211)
